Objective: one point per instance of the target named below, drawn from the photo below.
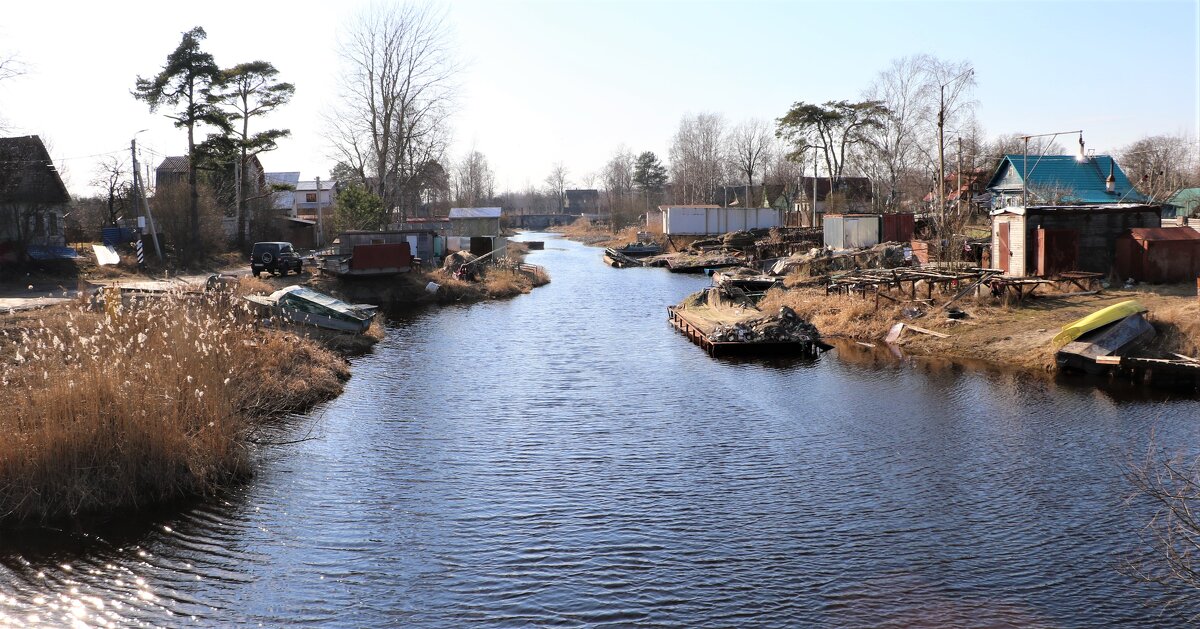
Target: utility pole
(941, 124)
(239, 220)
(140, 191)
(320, 220)
(814, 197)
(960, 190)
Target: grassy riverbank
(150, 404)
(411, 289)
(584, 231)
(1008, 336)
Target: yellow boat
(1105, 316)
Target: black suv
(274, 257)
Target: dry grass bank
(145, 405)
(582, 230)
(1017, 337)
(497, 283)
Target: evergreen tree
(357, 208)
(649, 175)
(187, 80)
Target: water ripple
(565, 459)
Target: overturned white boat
(308, 307)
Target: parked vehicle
(274, 257)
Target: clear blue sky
(571, 80)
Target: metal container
(1159, 254)
(896, 227)
(851, 231)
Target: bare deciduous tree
(750, 149)
(618, 186)
(698, 158)
(474, 180)
(112, 177)
(894, 149)
(1160, 165)
(556, 184)
(9, 68)
(397, 88)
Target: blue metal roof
(1063, 175)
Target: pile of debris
(784, 327)
(731, 240)
(456, 260)
(819, 262)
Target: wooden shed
(1159, 256)
(1048, 239)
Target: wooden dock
(697, 333)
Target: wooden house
(33, 198)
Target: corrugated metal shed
(851, 231)
(474, 212)
(1159, 255)
(711, 221)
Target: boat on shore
(618, 260)
(1099, 350)
(1098, 319)
(639, 249)
(305, 306)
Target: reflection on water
(566, 458)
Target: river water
(565, 458)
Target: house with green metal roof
(1060, 179)
(1186, 202)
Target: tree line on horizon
(390, 133)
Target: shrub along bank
(142, 405)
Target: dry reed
(834, 315)
(142, 404)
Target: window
(53, 224)
(310, 197)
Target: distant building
(307, 198)
(1060, 179)
(771, 195)
(850, 194)
(284, 200)
(1185, 203)
(172, 170)
(475, 221)
(582, 202)
(33, 198)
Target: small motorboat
(308, 307)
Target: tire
(267, 257)
(283, 272)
